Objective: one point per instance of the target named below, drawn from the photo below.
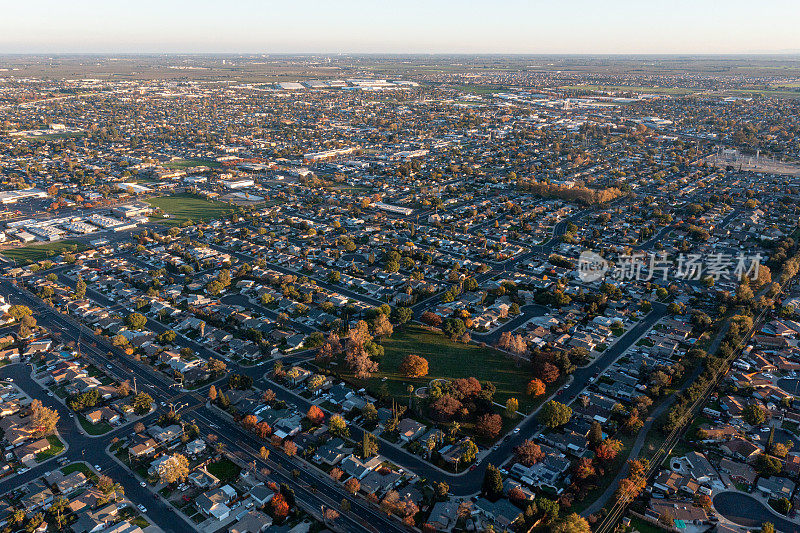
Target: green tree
(141, 403)
(554, 414)
(136, 320)
(80, 288)
(572, 523)
(492, 482)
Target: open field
(188, 207)
(449, 360)
(54, 136)
(26, 255)
(622, 88)
(190, 163)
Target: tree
(489, 425)
(549, 373)
(80, 288)
(608, 449)
(369, 445)
(216, 367)
(315, 415)
(767, 527)
(454, 328)
(43, 420)
(554, 414)
(289, 448)
(445, 407)
(595, 434)
(124, 389)
(338, 426)
(249, 422)
(381, 327)
(414, 366)
(535, 387)
(279, 506)
(212, 393)
(263, 430)
(548, 509)
(492, 482)
(369, 412)
(404, 314)
(512, 406)
(263, 453)
(469, 451)
(767, 466)
(572, 523)
(136, 320)
(782, 505)
(431, 319)
(528, 453)
(174, 469)
(141, 403)
(352, 485)
(754, 414)
(584, 468)
(17, 312)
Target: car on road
(503, 471)
(516, 430)
(97, 467)
(473, 467)
(143, 484)
(142, 508)
(109, 366)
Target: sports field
(34, 253)
(183, 208)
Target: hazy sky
(414, 26)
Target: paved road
(747, 511)
(362, 516)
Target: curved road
(747, 511)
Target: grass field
(54, 136)
(188, 207)
(225, 470)
(38, 252)
(622, 88)
(447, 359)
(189, 163)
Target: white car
(143, 484)
(97, 467)
(142, 508)
(516, 430)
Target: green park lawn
(26, 255)
(623, 88)
(448, 360)
(189, 208)
(190, 163)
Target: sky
(410, 26)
